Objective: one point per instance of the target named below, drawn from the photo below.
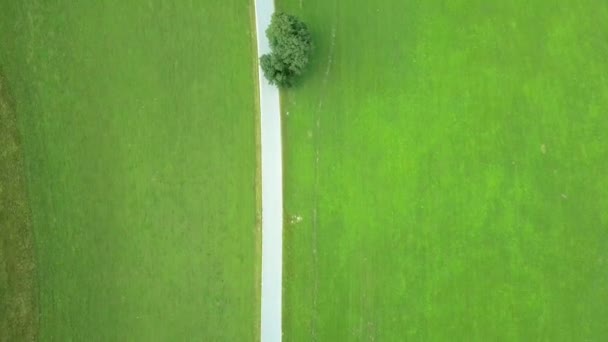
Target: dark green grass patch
(446, 172)
(18, 301)
(138, 123)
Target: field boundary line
(258, 177)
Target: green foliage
(291, 46)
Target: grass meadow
(445, 172)
(138, 123)
(446, 167)
(18, 291)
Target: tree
(290, 45)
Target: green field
(446, 172)
(449, 162)
(18, 310)
(138, 122)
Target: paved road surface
(272, 189)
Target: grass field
(139, 129)
(18, 300)
(449, 162)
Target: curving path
(272, 188)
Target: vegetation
(145, 229)
(18, 305)
(291, 46)
(449, 160)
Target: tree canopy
(290, 45)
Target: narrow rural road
(272, 189)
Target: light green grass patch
(449, 162)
